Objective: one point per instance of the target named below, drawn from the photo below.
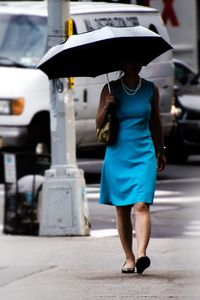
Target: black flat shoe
(142, 263)
(127, 270)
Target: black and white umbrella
(102, 51)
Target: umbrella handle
(109, 89)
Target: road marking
(94, 192)
(99, 233)
(161, 193)
(93, 189)
(192, 229)
(188, 233)
(196, 222)
(105, 233)
(161, 196)
(90, 162)
(179, 180)
(157, 193)
(1, 189)
(177, 200)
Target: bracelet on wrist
(161, 150)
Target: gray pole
(64, 209)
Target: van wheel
(39, 134)
(39, 146)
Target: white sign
(10, 168)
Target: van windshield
(23, 39)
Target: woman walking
(130, 166)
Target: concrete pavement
(62, 268)
(73, 268)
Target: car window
(23, 38)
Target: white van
(24, 90)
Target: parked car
(185, 137)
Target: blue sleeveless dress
(130, 166)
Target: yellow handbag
(107, 133)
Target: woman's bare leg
(142, 227)
(124, 226)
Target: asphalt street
(175, 212)
(89, 267)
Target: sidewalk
(73, 268)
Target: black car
(185, 136)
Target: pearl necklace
(129, 91)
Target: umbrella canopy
(102, 51)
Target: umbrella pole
(109, 89)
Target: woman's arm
(105, 99)
(157, 130)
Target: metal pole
(64, 209)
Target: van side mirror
(181, 75)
